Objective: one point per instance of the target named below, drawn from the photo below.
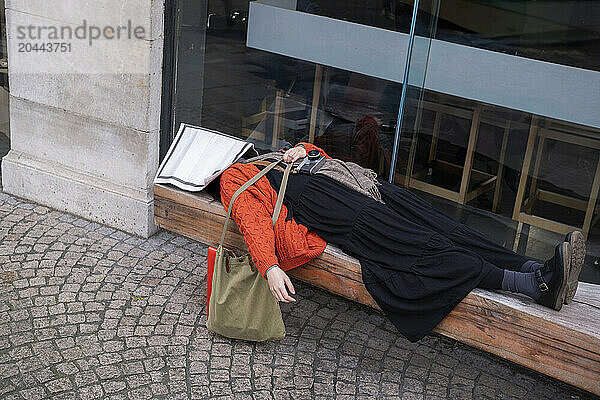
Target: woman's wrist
(270, 268)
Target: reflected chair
(485, 181)
(543, 131)
(275, 108)
(262, 116)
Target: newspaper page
(197, 156)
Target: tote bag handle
(253, 180)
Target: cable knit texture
(288, 244)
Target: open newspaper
(197, 156)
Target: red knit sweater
(288, 244)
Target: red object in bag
(210, 264)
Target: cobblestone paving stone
(90, 312)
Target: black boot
(553, 291)
(577, 242)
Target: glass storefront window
(505, 136)
(498, 128)
(527, 214)
(561, 32)
(238, 78)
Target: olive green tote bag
(241, 304)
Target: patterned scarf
(362, 180)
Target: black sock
(523, 282)
(531, 266)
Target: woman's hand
(278, 280)
(294, 154)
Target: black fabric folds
(417, 263)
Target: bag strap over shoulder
(281, 193)
(252, 181)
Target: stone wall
(85, 117)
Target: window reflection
(276, 101)
(540, 177)
(562, 32)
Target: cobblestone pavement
(90, 312)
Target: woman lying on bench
(417, 263)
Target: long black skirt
(417, 262)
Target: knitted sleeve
(252, 218)
(300, 244)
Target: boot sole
(566, 263)
(577, 242)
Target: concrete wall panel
(105, 150)
(54, 186)
(105, 12)
(85, 121)
(108, 80)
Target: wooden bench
(564, 345)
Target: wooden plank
(563, 344)
(421, 174)
(518, 236)
(587, 223)
(325, 91)
(410, 163)
(315, 103)
(435, 136)
(536, 166)
(433, 189)
(454, 168)
(471, 148)
(571, 127)
(277, 119)
(481, 189)
(254, 119)
(501, 161)
(337, 284)
(561, 199)
(526, 164)
(530, 202)
(587, 293)
(592, 143)
(500, 122)
(199, 200)
(547, 224)
(446, 109)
